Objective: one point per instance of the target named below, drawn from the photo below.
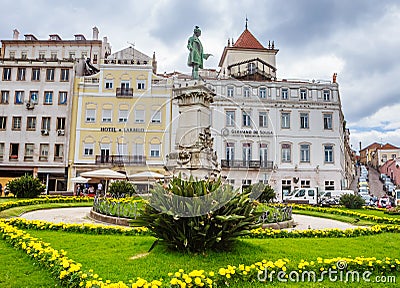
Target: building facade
(287, 133)
(121, 116)
(36, 85)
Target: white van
(336, 193)
(303, 196)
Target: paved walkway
(81, 215)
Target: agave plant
(198, 215)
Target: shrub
(267, 195)
(198, 215)
(351, 201)
(121, 189)
(26, 186)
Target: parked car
(384, 202)
(382, 177)
(363, 190)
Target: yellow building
(120, 117)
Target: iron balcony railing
(124, 92)
(257, 164)
(120, 160)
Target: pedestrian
(99, 187)
(78, 189)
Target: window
(328, 149)
(109, 84)
(16, 123)
(384, 158)
(19, 97)
(50, 74)
(106, 116)
(156, 118)
(154, 150)
(62, 98)
(1, 151)
(53, 55)
(94, 58)
(230, 91)
(141, 84)
(24, 55)
(123, 116)
(29, 150)
(251, 68)
(285, 120)
(139, 116)
(394, 156)
(31, 123)
(90, 115)
(327, 121)
(263, 155)
(14, 151)
(12, 54)
(88, 149)
(230, 118)
(262, 92)
(246, 153)
(7, 74)
(125, 84)
(60, 123)
(262, 119)
(46, 123)
(71, 55)
(33, 98)
(48, 97)
(64, 75)
(304, 121)
(305, 184)
(246, 92)
(36, 74)
(42, 55)
(327, 95)
(230, 151)
(44, 152)
(303, 94)
(138, 150)
(246, 119)
(285, 94)
(84, 55)
(122, 149)
(329, 185)
(21, 72)
(3, 122)
(58, 152)
(5, 95)
(305, 153)
(286, 153)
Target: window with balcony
(6, 74)
(246, 119)
(139, 116)
(60, 123)
(286, 153)
(19, 97)
(305, 153)
(230, 152)
(138, 151)
(5, 96)
(285, 120)
(262, 119)
(31, 123)
(123, 116)
(3, 122)
(16, 123)
(48, 97)
(328, 151)
(246, 153)
(327, 121)
(155, 150)
(230, 118)
(304, 121)
(21, 72)
(44, 152)
(263, 155)
(14, 151)
(106, 116)
(90, 116)
(29, 150)
(50, 74)
(156, 118)
(64, 76)
(35, 74)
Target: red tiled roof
(247, 40)
(372, 146)
(388, 146)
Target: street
(375, 185)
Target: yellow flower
(197, 280)
(221, 271)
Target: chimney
(15, 34)
(154, 63)
(95, 33)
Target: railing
(124, 92)
(247, 164)
(276, 214)
(121, 160)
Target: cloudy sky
(358, 39)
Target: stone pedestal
(193, 154)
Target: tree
(26, 186)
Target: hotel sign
(127, 129)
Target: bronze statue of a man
(196, 55)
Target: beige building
(36, 79)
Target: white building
(287, 133)
(36, 79)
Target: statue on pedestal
(196, 55)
